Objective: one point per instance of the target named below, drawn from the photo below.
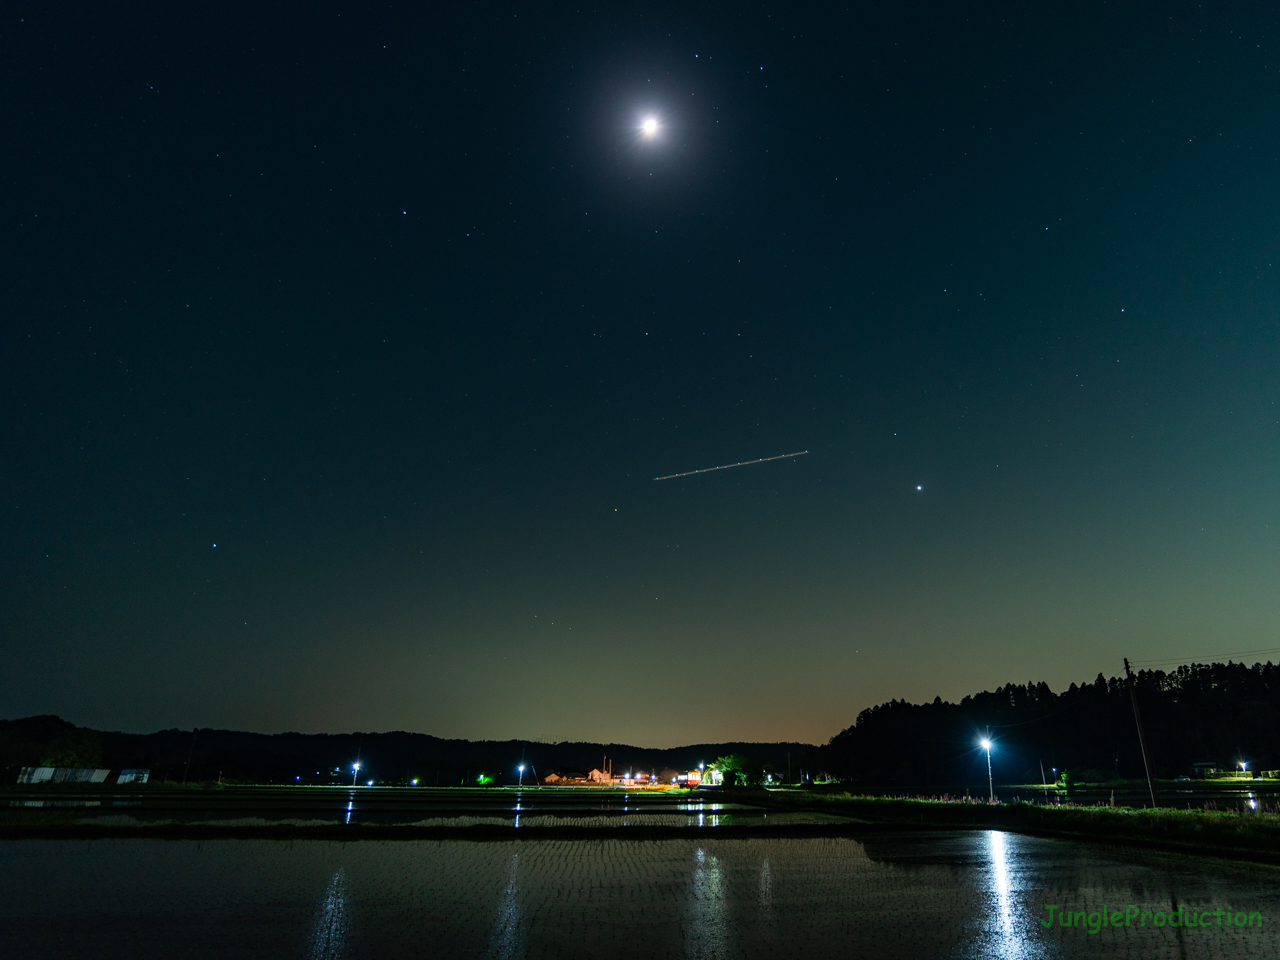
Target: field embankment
(1254, 836)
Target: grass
(1223, 832)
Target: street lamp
(991, 786)
(520, 770)
(355, 770)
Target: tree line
(1219, 713)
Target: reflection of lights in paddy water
(766, 929)
(1005, 940)
(707, 933)
(1000, 878)
(766, 889)
(329, 932)
(699, 808)
(507, 939)
(912, 897)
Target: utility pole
(1142, 737)
(191, 753)
(991, 784)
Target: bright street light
(355, 770)
(991, 786)
(520, 769)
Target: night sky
(400, 308)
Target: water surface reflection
(913, 896)
(707, 931)
(507, 942)
(1006, 934)
(329, 933)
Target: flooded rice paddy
(909, 895)
(425, 808)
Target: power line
(1215, 658)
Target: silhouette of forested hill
(313, 758)
(1221, 712)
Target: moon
(649, 126)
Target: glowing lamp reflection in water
(1005, 939)
(330, 930)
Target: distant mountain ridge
(1221, 714)
(392, 757)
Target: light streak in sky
(728, 466)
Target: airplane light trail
(728, 466)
